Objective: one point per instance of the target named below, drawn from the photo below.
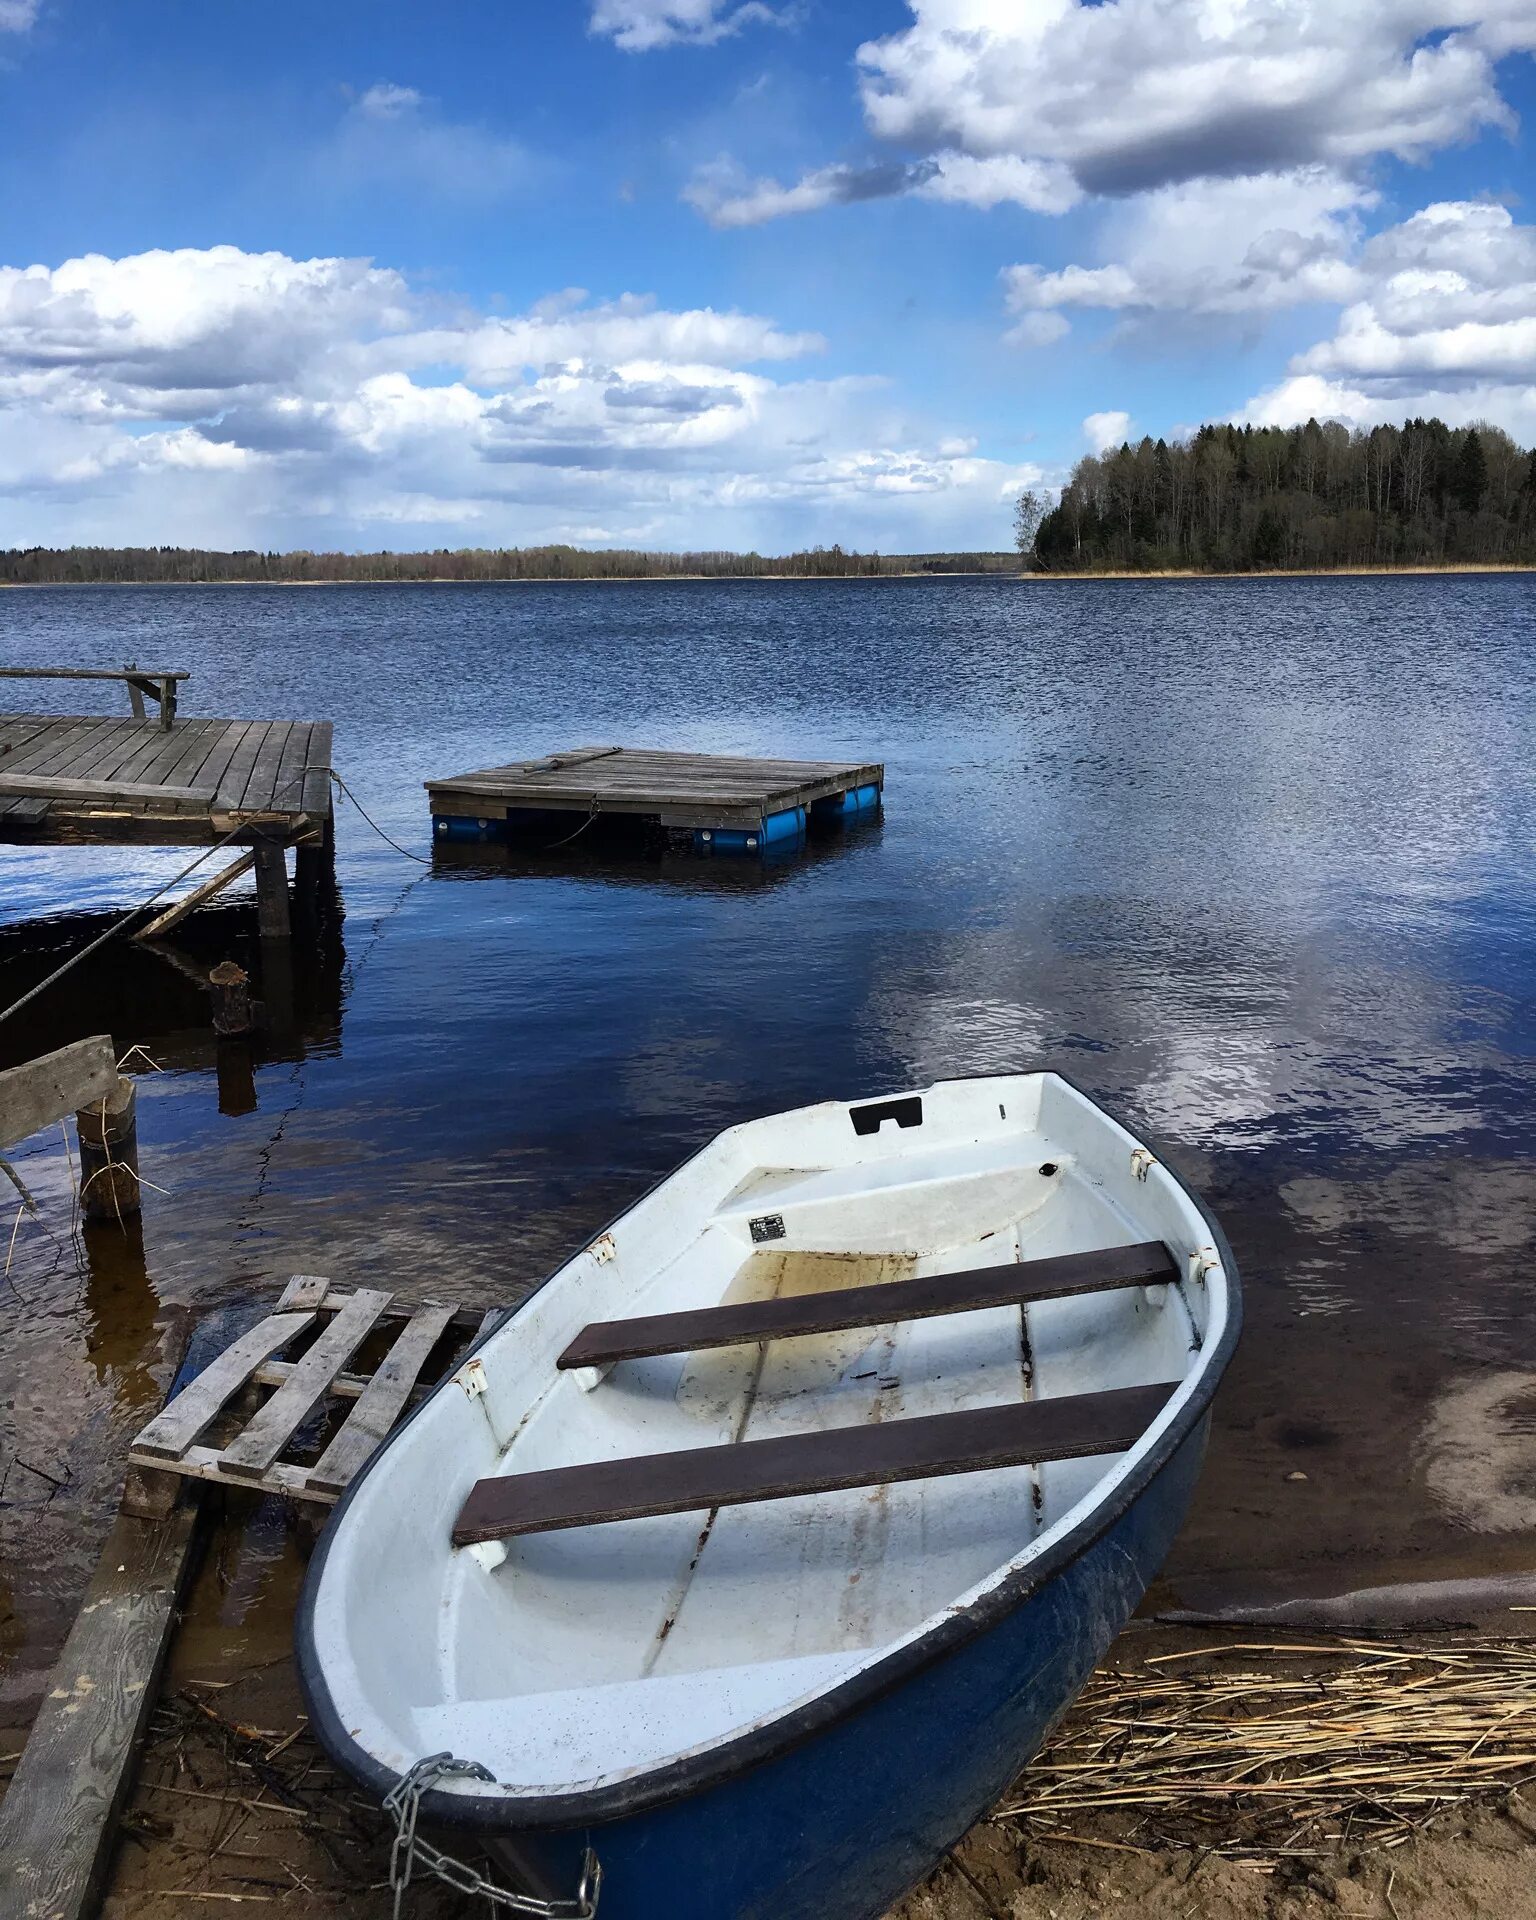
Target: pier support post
(273, 918)
(109, 1155)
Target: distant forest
(1241, 499)
(42, 566)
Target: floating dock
(729, 804)
(70, 779)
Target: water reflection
(1254, 861)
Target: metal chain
(409, 1851)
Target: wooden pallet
(302, 1351)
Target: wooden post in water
(273, 918)
(109, 1155)
(230, 986)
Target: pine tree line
(1239, 499)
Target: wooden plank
(93, 673)
(44, 787)
(606, 1341)
(249, 1455)
(58, 1820)
(238, 772)
(288, 781)
(49, 1089)
(223, 751)
(173, 916)
(366, 1426)
(304, 1290)
(59, 1817)
(195, 1408)
(699, 1478)
(262, 778)
(207, 1463)
(315, 797)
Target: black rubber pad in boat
(606, 1341)
(866, 1456)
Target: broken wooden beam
(48, 1089)
(174, 915)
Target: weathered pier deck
(168, 781)
(729, 803)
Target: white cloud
(640, 26)
(1101, 431)
(229, 398)
(1136, 93)
(1445, 323)
(1248, 245)
(393, 136)
(386, 101)
(728, 196)
(1039, 102)
(17, 15)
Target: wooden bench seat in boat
(606, 1341)
(697, 1478)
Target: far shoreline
(1446, 570)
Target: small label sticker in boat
(767, 1226)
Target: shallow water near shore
(1253, 861)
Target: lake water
(1253, 861)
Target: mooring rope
(423, 858)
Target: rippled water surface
(1251, 861)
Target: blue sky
(698, 273)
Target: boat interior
(841, 1371)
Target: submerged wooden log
(109, 1155)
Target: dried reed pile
(1332, 1742)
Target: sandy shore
(236, 1807)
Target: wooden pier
(70, 779)
(730, 804)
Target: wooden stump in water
(230, 986)
(109, 1155)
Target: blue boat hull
(839, 1826)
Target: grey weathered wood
(81, 777)
(135, 691)
(208, 1463)
(254, 1451)
(58, 1820)
(274, 918)
(59, 1817)
(173, 916)
(379, 1405)
(46, 1090)
(108, 1134)
(94, 673)
(194, 1409)
(685, 789)
(46, 787)
(304, 1290)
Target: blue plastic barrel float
(775, 830)
(848, 805)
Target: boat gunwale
(690, 1773)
